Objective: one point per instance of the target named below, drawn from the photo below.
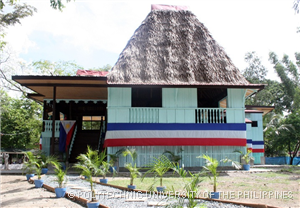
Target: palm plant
(89, 164)
(134, 171)
(172, 156)
(104, 169)
(159, 167)
(104, 166)
(190, 188)
(30, 166)
(211, 166)
(38, 169)
(61, 175)
(114, 157)
(46, 160)
(246, 157)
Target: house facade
(173, 88)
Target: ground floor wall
(258, 157)
(46, 145)
(188, 154)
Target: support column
(53, 120)
(235, 112)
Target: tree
(272, 95)
(282, 135)
(55, 4)
(255, 72)
(288, 73)
(20, 122)
(292, 138)
(273, 131)
(60, 68)
(19, 11)
(296, 6)
(106, 67)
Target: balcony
(167, 115)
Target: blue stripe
(258, 142)
(249, 140)
(175, 126)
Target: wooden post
(53, 120)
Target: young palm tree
(247, 157)
(61, 175)
(30, 166)
(46, 160)
(89, 164)
(159, 167)
(134, 171)
(104, 166)
(211, 166)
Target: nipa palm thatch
(174, 48)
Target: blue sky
(93, 32)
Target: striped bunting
(258, 146)
(175, 134)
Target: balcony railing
(144, 115)
(210, 115)
(48, 128)
(174, 115)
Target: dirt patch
(17, 192)
(279, 189)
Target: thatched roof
(174, 48)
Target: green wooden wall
(46, 145)
(235, 112)
(256, 133)
(189, 154)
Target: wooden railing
(210, 115)
(143, 115)
(47, 129)
(157, 115)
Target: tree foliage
(255, 72)
(55, 4)
(60, 68)
(296, 6)
(288, 73)
(20, 122)
(280, 133)
(19, 11)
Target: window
(92, 122)
(254, 124)
(146, 97)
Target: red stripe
(258, 150)
(174, 142)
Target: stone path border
(67, 195)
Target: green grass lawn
(146, 184)
(286, 180)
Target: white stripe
(175, 134)
(258, 146)
(249, 145)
